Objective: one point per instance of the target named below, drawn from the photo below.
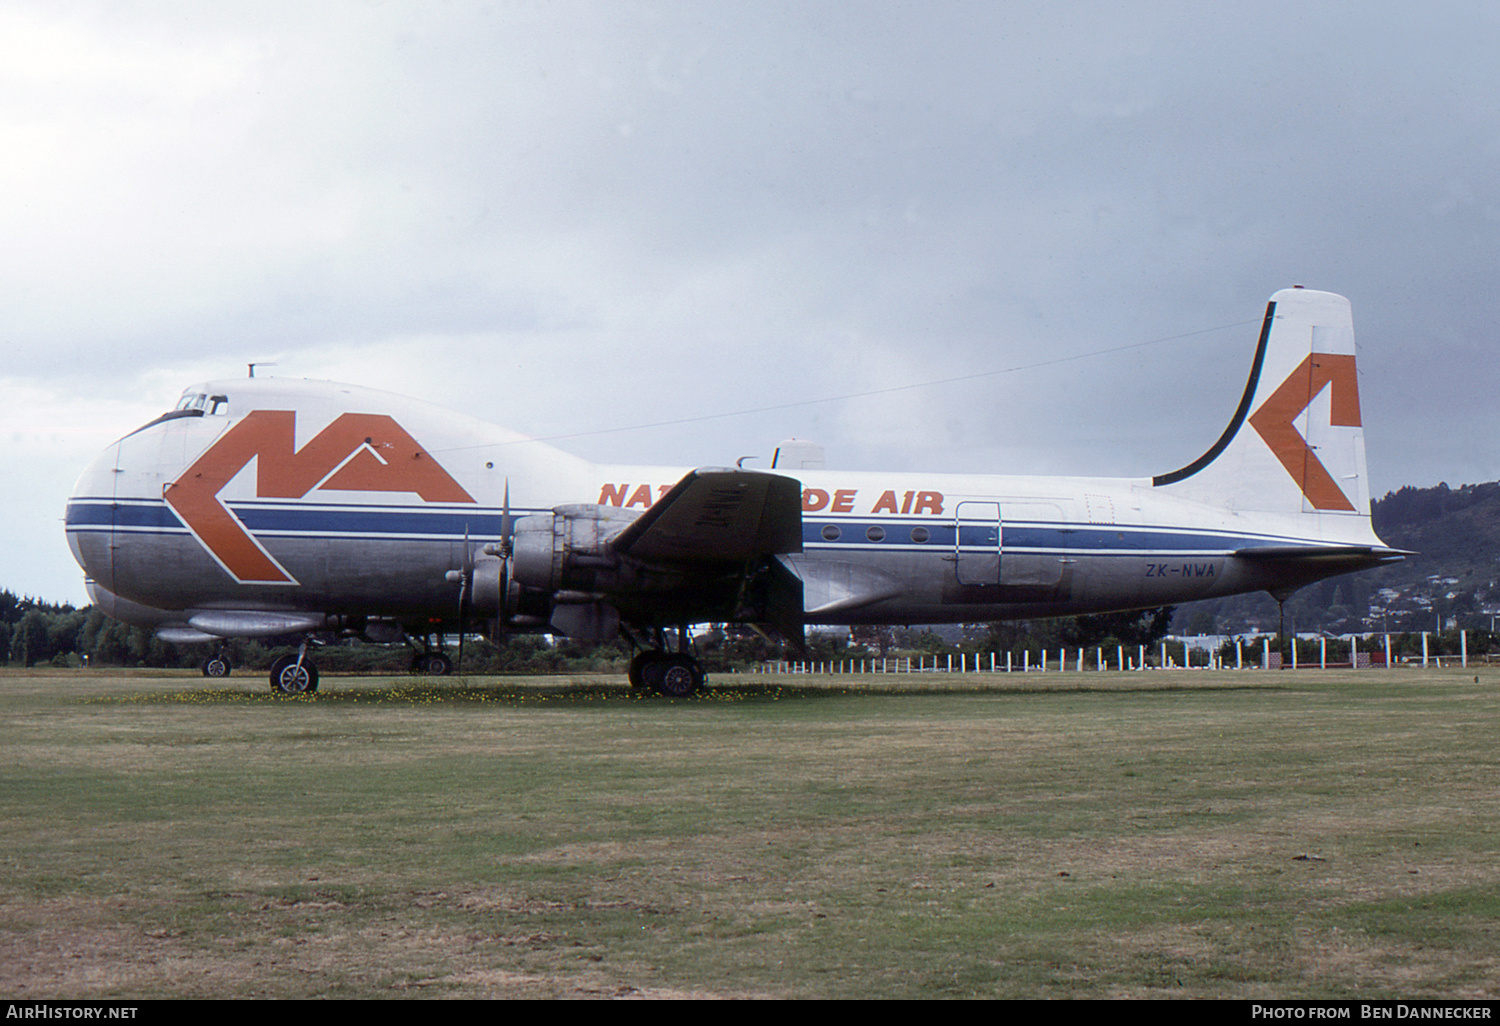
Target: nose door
(119, 525)
(92, 517)
(977, 538)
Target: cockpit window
(200, 403)
(192, 404)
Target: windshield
(200, 403)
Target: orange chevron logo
(358, 452)
(1275, 422)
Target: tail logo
(358, 452)
(1275, 421)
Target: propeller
(465, 596)
(502, 548)
(507, 529)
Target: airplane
(263, 507)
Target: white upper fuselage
(322, 498)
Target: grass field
(1184, 834)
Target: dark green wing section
(715, 515)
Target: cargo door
(976, 539)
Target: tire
(287, 678)
(652, 672)
(217, 666)
(642, 666)
(680, 676)
(431, 664)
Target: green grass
(1187, 834)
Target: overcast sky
(569, 217)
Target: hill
(1452, 578)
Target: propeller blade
(505, 526)
(465, 597)
(507, 529)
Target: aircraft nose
(89, 518)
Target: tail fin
(1296, 443)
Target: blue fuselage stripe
(285, 520)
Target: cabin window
(831, 532)
(875, 533)
(920, 534)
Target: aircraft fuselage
(270, 506)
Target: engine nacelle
(568, 550)
(568, 558)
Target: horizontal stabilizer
(1325, 557)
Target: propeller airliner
(264, 507)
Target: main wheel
(433, 664)
(681, 676)
(217, 666)
(645, 671)
(290, 678)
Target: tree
(1138, 627)
(29, 641)
(873, 638)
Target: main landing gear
(431, 664)
(217, 665)
(427, 656)
(295, 674)
(674, 674)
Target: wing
(715, 515)
(714, 539)
(704, 552)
